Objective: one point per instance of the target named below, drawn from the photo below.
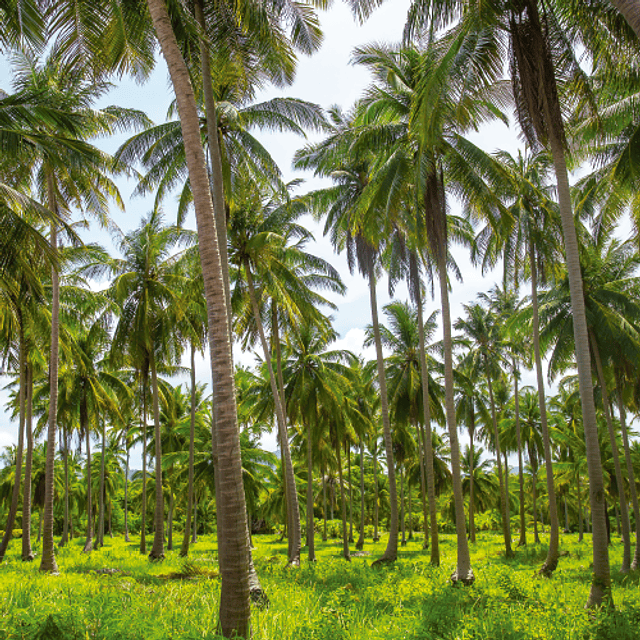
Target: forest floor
(115, 593)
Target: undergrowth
(115, 593)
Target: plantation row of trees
(396, 159)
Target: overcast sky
(326, 78)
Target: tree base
(259, 598)
(549, 566)
(28, 558)
(466, 580)
(383, 561)
(156, 558)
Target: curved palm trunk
(376, 509)
(630, 9)
(293, 510)
(48, 560)
(310, 532)
(100, 532)
(472, 488)
(233, 544)
(15, 493)
(126, 491)
(391, 552)
(600, 592)
(516, 395)
(635, 563)
(463, 572)
(157, 551)
(88, 543)
(27, 552)
(503, 498)
(360, 542)
(427, 445)
(343, 507)
(551, 561)
(65, 526)
(143, 520)
(348, 452)
(184, 549)
(624, 512)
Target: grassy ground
(115, 593)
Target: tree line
(396, 160)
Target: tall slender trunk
(143, 520)
(324, 504)
(48, 560)
(293, 511)
(376, 506)
(194, 534)
(391, 552)
(170, 522)
(403, 539)
(423, 485)
(472, 507)
(516, 395)
(360, 542)
(410, 505)
(84, 426)
(126, 488)
(600, 592)
(100, 532)
(463, 572)
(626, 533)
(533, 460)
(635, 563)
(343, 505)
(566, 516)
(551, 561)
(184, 550)
(157, 551)
(348, 452)
(506, 533)
(427, 445)
(580, 513)
(17, 482)
(27, 552)
(65, 525)
(233, 544)
(310, 532)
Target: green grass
(328, 600)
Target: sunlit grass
(117, 593)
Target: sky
(326, 78)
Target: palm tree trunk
(233, 544)
(423, 485)
(157, 551)
(170, 522)
(324, 504)
(88, 543)
(566, 516)
(626, 533)
(391, 552)
(635, 563)
(551, 561)
(516, 395)
(472, 508)
(27, 552)
(360, 542)
(410, 505)
(600, 592)
(580, 513)
(630, 9)
(403, 539)
(343, 507)
(65, 524)
(48, 560)
(506, 533)
(194, 535)
(310, 532)
(464, 572)
(15, 493)
(293, 515)
(427, 445)
(533, 460)
(143, 520)
(376, 505)
(100, 532)
(184, 549)
(348, 452)
(126, 489)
